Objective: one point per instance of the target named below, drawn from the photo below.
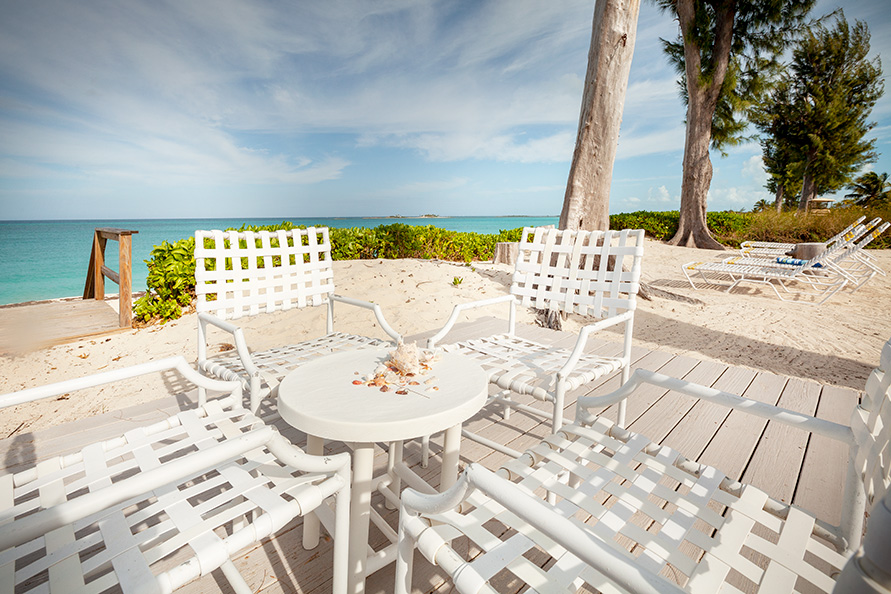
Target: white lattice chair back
(585, 272)
(245, 273)
(871, 423)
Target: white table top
(320, 398)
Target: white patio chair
(758, 249)
(598, 505)
(592, 273)
(161, 505)
(241, 274)
(820, 277)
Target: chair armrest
(835, 431)
(456, 311)
(582, 339)
(378, 313)
(178, 363)
(238, 335)
(616, 567)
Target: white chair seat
(696, 530)
(277, 362)
(162, 504)
(527, 367)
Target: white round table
(320, 399)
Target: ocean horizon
(48, 259)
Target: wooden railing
(95, 285)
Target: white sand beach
(835, 343)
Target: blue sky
(223, 108)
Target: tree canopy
(816, 120)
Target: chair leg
(316, 447)
(394, 457)
(559, 396)
(425, 451)
(507, 407)
(235, 579)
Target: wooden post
(125, 290)
(95, 285)
(99, 244)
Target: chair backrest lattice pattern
(871, 423)
(242, 273)
(585, 272)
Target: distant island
(424, 216)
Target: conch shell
(406, 359)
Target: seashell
(358, 382)
(430, 380)
(405, 358)
(385, 388)
(402, 392)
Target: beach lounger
(857, 266)
(759, 249)
(241, 274)
(822, 276)
(851, 263)
(591, 273)
(164, 504)
(599, 506)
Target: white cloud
(506, 148)
(650, 143)
(661, 195)
(754, 169)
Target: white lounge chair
(758, 249)
(161, 505)
(824, 275)
(592, 273)
(599, 506)
(241, 274)
(853, 263)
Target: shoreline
(839, 344)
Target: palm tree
(870, 189)
(761, 205)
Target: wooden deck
(787, 463)
(28, 326)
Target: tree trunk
(702, 100)
(778, 203)
(808, 186)
(586, 201)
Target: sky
(224, 108)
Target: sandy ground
(835, 343)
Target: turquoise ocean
(49, 259)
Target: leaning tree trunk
(778, 202)
(702, 100)
(586, 201)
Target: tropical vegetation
(171, 278)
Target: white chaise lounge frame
(824, 275)
(599, 505)
(166, 503)
(266, 272)
(591, 273)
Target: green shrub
(170, 281)
(171, 278)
